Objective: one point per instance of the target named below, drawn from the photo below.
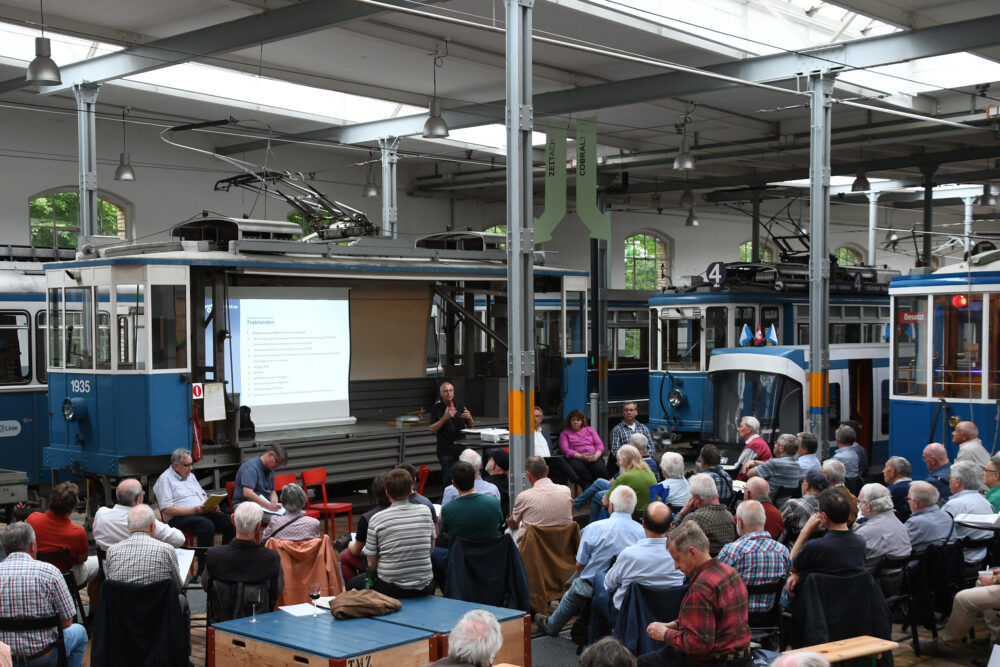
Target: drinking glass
(314, 590)
(255, 597)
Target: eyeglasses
(186, 465)
(987, 470)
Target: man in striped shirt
(141, 559)
(400, 541)
(35, 589)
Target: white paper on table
(995, 657)
(324, 602)
(184, 559)
(303, 609)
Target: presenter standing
(448, 418)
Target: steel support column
(967, 203)
(599, 344)
(821, 85)
(389, 147)
(520, 241)
(872, 224)
(928, 171)
(86, 103)
(755, 233)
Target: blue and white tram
(771, 383)
(685, 327)
(945, 356)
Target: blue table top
(323, 636)
(439, 615)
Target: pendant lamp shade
(124, 172)
(43, 71)
(435, 127)
(692, 219)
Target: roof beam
(277, 24)
(856, 54)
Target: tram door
(860, 403)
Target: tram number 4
(716, 273)
(362, 661)
(80, 386)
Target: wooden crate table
(439, 615)
(282, 639)
(853, 647)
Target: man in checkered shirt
(31, 588)
(621, 433)
(758, 558)
(141, 559)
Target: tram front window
(168, 319)
(79, 334)
(131, 327)
(15, 350)
(909, 346)
(681, 338)
(957, 347)
(775, 400)
(716, 328)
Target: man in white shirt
(111, 523)
(970, 447)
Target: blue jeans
(571, 604)
(595, 494)
(75, 638)
(603, 612)
(439, 563)
(446, 461)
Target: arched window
(54, 218)
(647, 262)
(847, 256)
(746, 255)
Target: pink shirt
(585, 441)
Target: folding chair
(62, 560)
(24, 624)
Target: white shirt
(111, 527)
(171, 490)
(541, 445)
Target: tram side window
(631, 347)
(716, 328)
(55, 328)
(102, 303)
(15, 347)
(41, 334)
(909, 347)
(957, 346)
(834, 403)
(884, 404)
(168, 319)
(770, 315)
(79, 334)
(745, 315)
(993, 379)
(680, 344)
(131, 327)
(790, 407)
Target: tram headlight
(675, 398)
(74, 409)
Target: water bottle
(369, 579)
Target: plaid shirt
(713, 615)
(621, 434)
(723, 482)
(141, 560)
(716, 522)
(797, 511)
(32, 588)
(759, 560)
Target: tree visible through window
(645, 262)
(746, 253)
(54, 219)
(848, 256)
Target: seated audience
(755, 447)
(472, 515)
(635, 473)
(294, 525)
(607, 652)
(939, 470)
(928, 523)
(245, 560)
(544, 504)
(141, 559)
(834, 471)
(713, 614)
(759, 490)
(966, 480)
(896, 474)
(473, 458)
(883, 533)
(859, 449)
(782, 471)
(798, 510)
(838, 552)
(991, 477)
(599, 542)
(624, 430)
(757, 557)
(54, 530)
(497, 465)
(704, 509)
(643, 563)
(583, 449)
(474, 641)
(847, 455)
(400, 539)
(970, 447)
(414, 496)
(806, 453)
(111, 523)
(672, 470)
(255, 479)
(711, 465)
(984, 598)
(352, 563)
(542, 443)
(29, 587)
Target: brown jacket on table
(304, 563)
(549, 555)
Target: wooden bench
(854, 647)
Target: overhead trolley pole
(821, 85)
(520, 241)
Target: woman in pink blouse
(583, 449)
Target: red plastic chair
(230, 487)
(317, 477)
(422, 473)
(284, 479)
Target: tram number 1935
(80, 386)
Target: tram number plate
(79, 386)
(716, 273)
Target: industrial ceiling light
(124, 172)
(435, 127)
(687, 199)
(692, 219)
(987, 198)
(42, 71)
(370, 190)
(861, 183)
(684, 160)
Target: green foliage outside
(633, 343)
(640, 262)
(55, 219)
(847, 257)
(746, 253)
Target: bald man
(939, 470)
(111, 523)
(758, 489)
(970, 447)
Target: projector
(494, 435)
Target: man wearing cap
(798, 510)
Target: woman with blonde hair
(635, 473)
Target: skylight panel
(18, 42)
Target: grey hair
(672, 465)
(846, 435)
(900, 465)
(127, 491)
(475, 639)
(703, 486)
(834, 471)
(640, 442)
(623, 498)
(924, 493)
(752, 422)
(179, 455)
(473, 458)
(688, 534)
(18, 536)
(968, 473)
(140, 518)
(293, 498)
(801, 659)
(752, 514)
(789, 444)
(247, 516)
(877, 496)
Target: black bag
(247, 429)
